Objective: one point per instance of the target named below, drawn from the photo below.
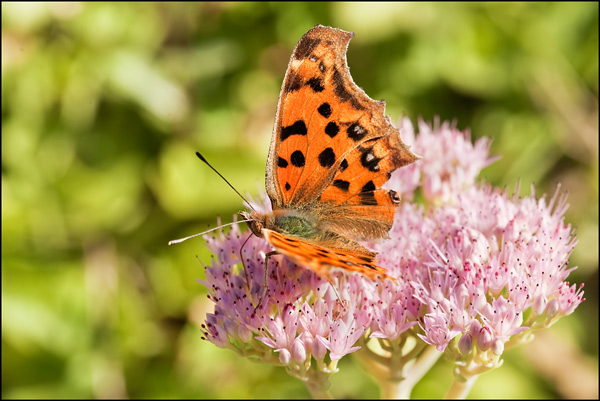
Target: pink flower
(281, 330)
(342, 338)
(503, 318)
(443, 174)
(392, 320)
(437, 331)
(469, 259)
(569, 298)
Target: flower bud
(484, 339)
(474, 328)
(298, 351)
(307, 339)
(465, 344)
(318, 349)
(284, 356)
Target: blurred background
(104, 105)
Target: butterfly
(331, 151)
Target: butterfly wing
(320, 259)
(331, 151)
(331, 143)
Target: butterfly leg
(244, 265)
(337, 294)
(266, 283)
(341, 305)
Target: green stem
(317, 392)
(391, 390)
(461, 388)
(413, 371)
(318, 385)
(398, 374)
(423, 364)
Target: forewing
(323, 125)
(328, 132)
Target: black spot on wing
(355, 103)
(356, 132)
(367, 196)
(325, 111)
(287, 186)
(297, 128)
(338, 87)
(297, 159)
(293, 83)
(327, 157)
(281, 162)
(316, 84)
(342, 93)
(368, 159)
(332, 129)
(305, 47)
(368, 187)
(341, 184)
(343, 165)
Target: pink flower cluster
(300, 316)
(477, 269)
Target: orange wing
(331, 142)
(320, 259)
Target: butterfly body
(332, 150)
(308, 241)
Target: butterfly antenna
(224, 179)
(177, 241)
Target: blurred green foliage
(104, 104)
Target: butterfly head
(256, 222)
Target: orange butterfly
(332, 149)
